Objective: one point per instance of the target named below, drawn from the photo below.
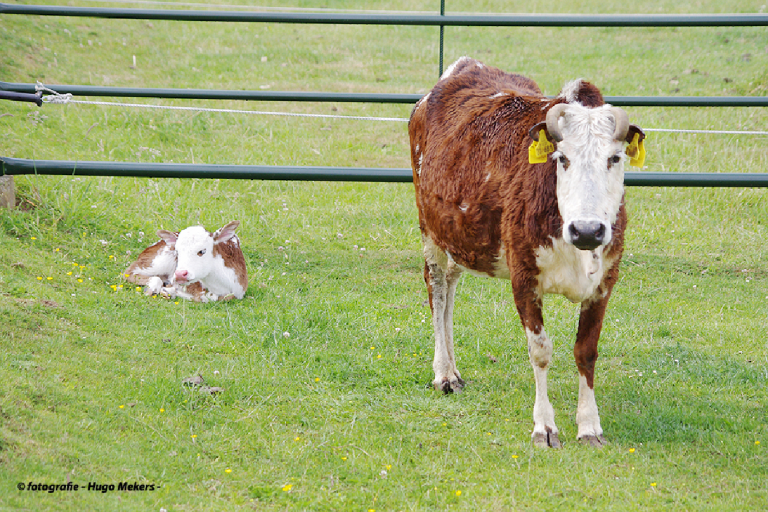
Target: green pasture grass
(326, 362)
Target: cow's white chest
(567, 271)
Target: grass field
(326, 362)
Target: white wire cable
(709, 132)
(63, 99)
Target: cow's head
(195, 248)
(590, 159)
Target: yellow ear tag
(636, 151)
(538, 151)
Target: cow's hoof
(447, 386)
(546, 440)
(596, 441)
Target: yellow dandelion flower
(445, 424)
(39, 278)
(138, 288)
(458, 493)
(34, 238)
(57, 249)
(176, 302)
(194, 436)
(79, 280)
(122, 407)
(49, 278)
(373, 348)
(297, 438)
(317, 379)
(388, 466)
(515, 456)
(162, 410)
(757, 442)
(69, 273)
(631, 450)
(114, 287)
(227, 470)
(287, 488)
(653, 484)
(343, 458)
(378, 356)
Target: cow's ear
(634, 129)
(168, 236)
(636, 147)
(534, 132)
(225, 233)
(541, 145)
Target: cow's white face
(590, 175)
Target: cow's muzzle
(587, 235)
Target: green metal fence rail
(436, 20)
(343, 97)
(18, 166)
(14, 166)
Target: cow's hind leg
(441, 284)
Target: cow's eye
(201, 252)
(615, 159)
(564, 161)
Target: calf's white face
(195, 249)
(590, 172)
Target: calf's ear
(225, 233)
(168, 236)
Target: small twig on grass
(88, 131)
(150, 427)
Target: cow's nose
(587, 235)
(181, 275)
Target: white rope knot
(53, 96)
(58, 98)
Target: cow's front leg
(441, 284)
(545, 431)
(585, 353)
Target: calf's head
(590, 168)
(196, 249)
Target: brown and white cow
(193, 264)
(552, 227)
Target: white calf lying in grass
(193, 264)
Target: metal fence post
(442, 33)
